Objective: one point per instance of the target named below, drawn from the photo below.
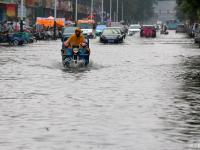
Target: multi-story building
(45, 8)
(165, 10)
(10, 9)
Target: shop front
(2, 12)
(8, 10)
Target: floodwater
(141, 95)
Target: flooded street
(141, 95)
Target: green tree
(188, 9)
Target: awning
(49, 22)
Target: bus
(172, 24)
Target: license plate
(111, 41)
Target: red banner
(11, 10)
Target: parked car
(99, 29)
(197, 37)
(134, 29)
(111, 35)
(180, 28)
(148, 31)
(195, 29)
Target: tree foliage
(134, 10)
(188, 9)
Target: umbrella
(91, 17)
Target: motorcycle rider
(76, 39)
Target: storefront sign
(19, 11)
(11, 10)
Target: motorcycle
(164, 32)
(76, 56)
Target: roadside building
(45, 8)
(8, 10)
(165, 10)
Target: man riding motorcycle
(76, 39)
(77, 49)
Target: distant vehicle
(148, 31)
(99, 29)
(111, 35)
(134, 29)
(12, 39)
(67, 32)
(87, 26)
(121, 29)
(164, 32)
(197, 37)
(172, 24)
(116, 24)
(39, 35)
(180, 28)
(195, 29)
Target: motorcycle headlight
(75, 50)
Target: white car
(87, 30)
(134, 29)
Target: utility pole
(55, 16)
(22, 16)
(102, 10)
(117, 11)
(76, 11)
(122, 10)
(111, 10)
(92, 3)
(114, 17)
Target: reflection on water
(143, 94)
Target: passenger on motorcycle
(76, 39)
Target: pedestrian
(5, 26)
(10, 28)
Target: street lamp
(55, 16)
(22, 16)
(92, 3)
